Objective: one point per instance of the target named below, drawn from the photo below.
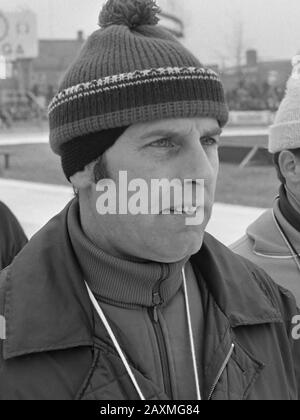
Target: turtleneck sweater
(127, 290)
(133, 282)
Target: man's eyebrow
(169, 132)
(159, 132)
(213, 132)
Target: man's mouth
(187, 210)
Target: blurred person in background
(273, 241)
(5, 118)
(140, 306)
(12, 236)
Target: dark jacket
(12, 236)
(56, 347)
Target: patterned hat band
(140, 96)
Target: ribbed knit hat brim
(284, 136)
(127, 99)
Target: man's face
(183, 149)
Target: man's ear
(85, 178)
(289, 166)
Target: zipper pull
(155, 314)
(156, 303)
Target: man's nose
(196, 164)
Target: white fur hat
(285, 133)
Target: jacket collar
(46, 302)
(47, 306)
(266, 237)
(235, 285)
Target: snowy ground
(8, 138)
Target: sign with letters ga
(18, 35)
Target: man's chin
(187, 249)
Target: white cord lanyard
(123, 357)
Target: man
(273, 241)
(5, 118)
(123, 305)
(12, 236)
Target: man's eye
(163, 143)
(209, 141)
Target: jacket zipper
(157, 302)
(226, 361)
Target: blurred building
(18, 49)
(55, 56)
(275, 72)
(256, 85)
(30, 83)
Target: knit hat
(285, 133)
(129, 71)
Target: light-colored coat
(264, 245)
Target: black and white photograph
(149, 203)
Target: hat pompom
(131, 13)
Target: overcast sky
(270, 26)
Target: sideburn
(100, 170)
